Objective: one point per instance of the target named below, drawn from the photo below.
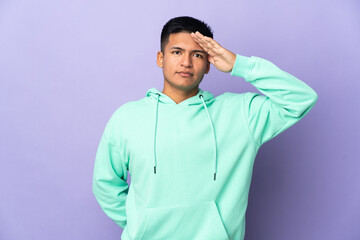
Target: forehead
(183, 40)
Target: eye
(199, 55)
(176, 52)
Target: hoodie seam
(247, 125)
(117, 147)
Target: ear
(159, 59)
(207, 68)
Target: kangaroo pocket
(195, 221)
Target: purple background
(66, 66)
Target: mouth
(185, 74)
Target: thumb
(211, 59)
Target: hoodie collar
(194, 100)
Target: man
(190, 155)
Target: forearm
(286, 100)
(294, 96)
(109, 181)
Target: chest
(178, 140)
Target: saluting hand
(222, 58)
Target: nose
(186, 60)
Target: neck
(178, 95)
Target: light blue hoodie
(191, 163)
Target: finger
(208, 41)
(210, 50)
(212, 42)
(205, 47)
(199, 34)
(201, 37)
(202, 44)
(197, 38)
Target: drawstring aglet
(154, 169)
(214, 176)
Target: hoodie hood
(202, 97)
(152, 93)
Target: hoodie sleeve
(109, 178)
(287, 99)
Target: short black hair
(183, 24)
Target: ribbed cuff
(242, 66)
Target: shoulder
(130, 107)
(126, 112)
(230, 97)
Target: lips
(185, 74)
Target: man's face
(183, 54)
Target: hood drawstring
(156, 119)
(212, 129)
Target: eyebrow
(191, 51)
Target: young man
(190, 155)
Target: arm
(109, 179)
(286, 100)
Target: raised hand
(220, 57)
